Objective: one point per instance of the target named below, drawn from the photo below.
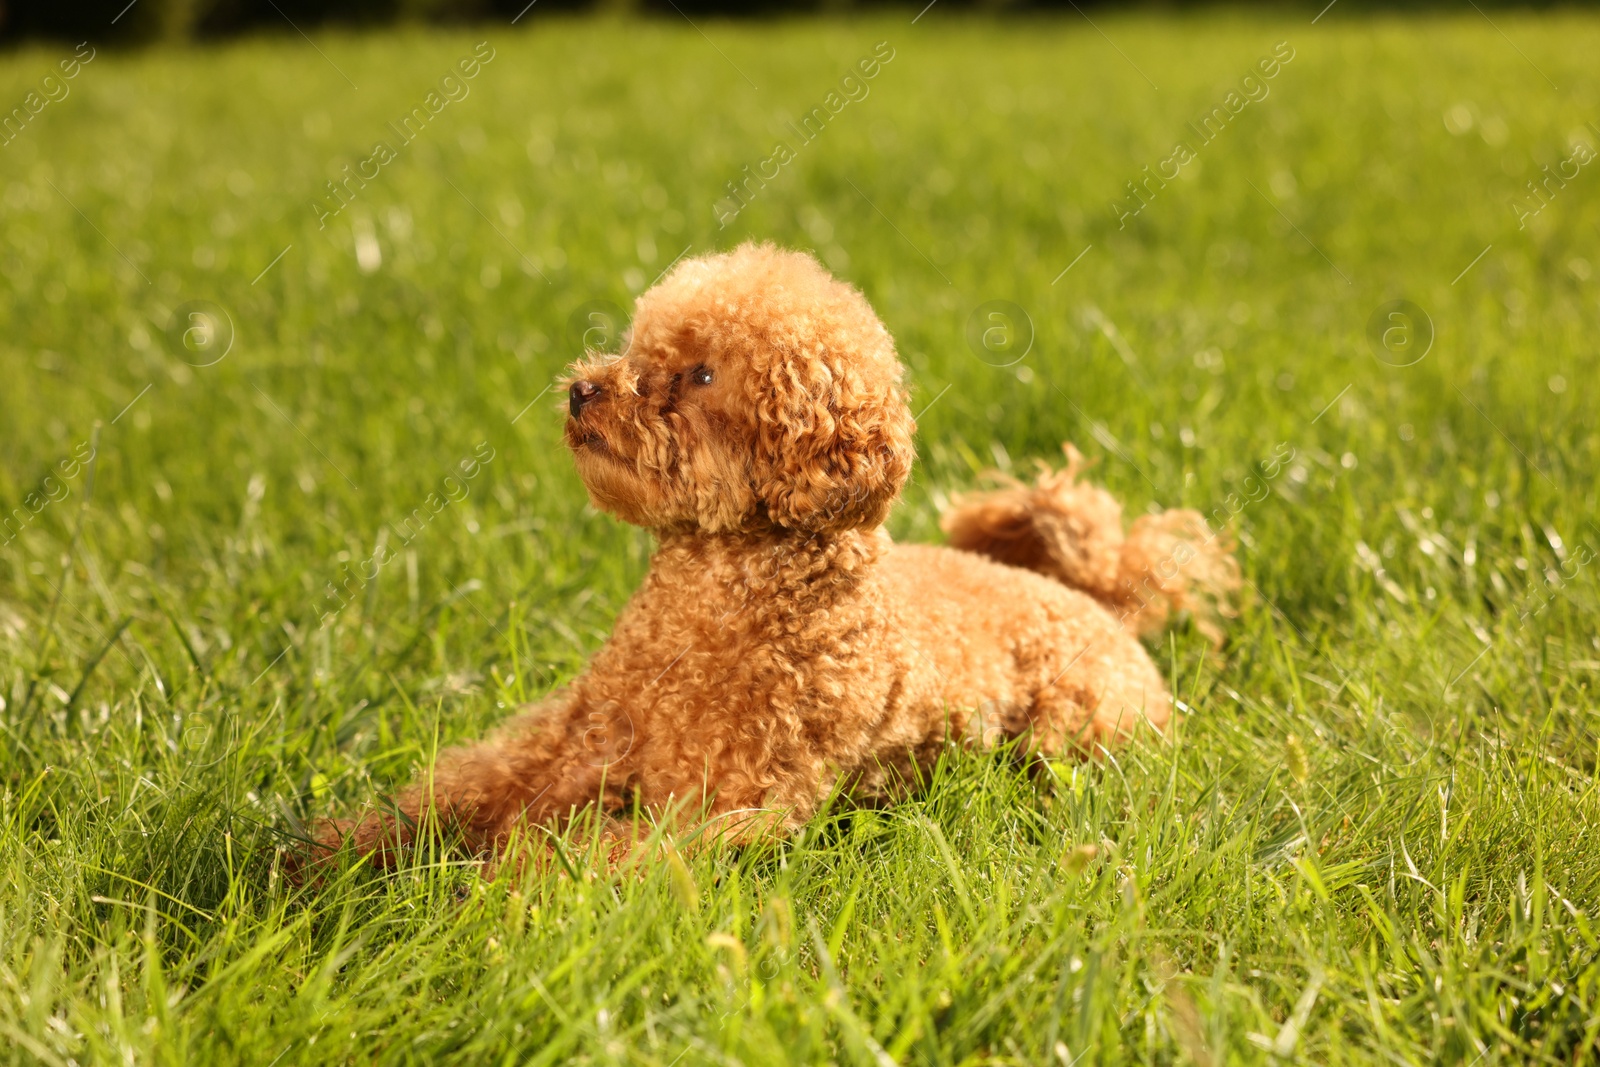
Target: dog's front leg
(538, 769)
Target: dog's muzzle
(580, 395)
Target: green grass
(1375, 836)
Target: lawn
(1375, 835)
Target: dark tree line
(113, 21)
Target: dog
(782, 648)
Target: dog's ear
(833, 456)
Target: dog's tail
(1072, 531)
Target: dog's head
(755, 392)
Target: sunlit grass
(1373, 837)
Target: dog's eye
(701, 375)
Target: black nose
(580, 394)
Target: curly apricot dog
(782, 646)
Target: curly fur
(781, 646)
(1072, 531)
